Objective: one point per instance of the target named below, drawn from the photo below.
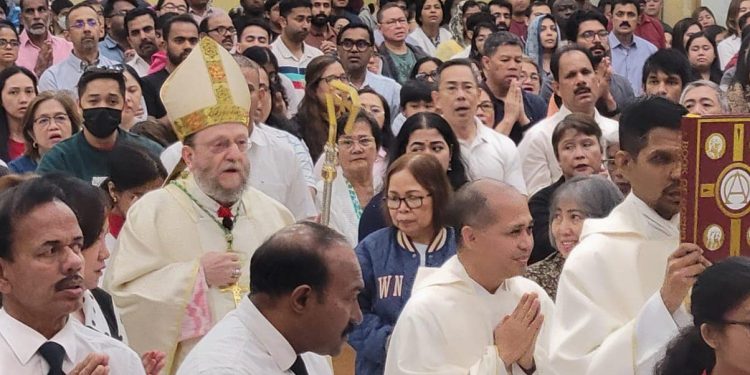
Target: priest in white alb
(476, 314)
(620, 296)
(182, 257)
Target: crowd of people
(505, 200)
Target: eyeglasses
(13, 43)
(412, 201)
(533, 76)
(120, 13)
(734, 322)
(45, 121)
(348, 44)
(396, 21)
(223, 30)
(426, 76)
(80, 24)
(172, 8)
(343, 78)
(486, 106)
(347, 143)
(589, 35)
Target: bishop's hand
(515, 336)
(683, 268)
(221, 268)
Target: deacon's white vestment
(154, 277)
(447, 327)
(246, 343)
(610, 318)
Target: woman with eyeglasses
(417, 195)
(422, 133)
(51, 118)
(17, 89)
(8, 45)
(312, 115)
(354, 185)
(718, 341)
(171, 6)
(426, 69)
(485, 108)
(430, 16)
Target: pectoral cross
(237, 292)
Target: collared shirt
(388, 88)
(651, 29)
(292, 67)
(28, 52)
(65, 75)
(316, 39)
(420, 39)
(494, 155)
(245, 342)
(110, 49)
(19, 344)
(140, 65)
(540, 165)
(628, 61)
(210, 11)
(94, 317)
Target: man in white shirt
(290, 49)
(83, 30)
(476, 314)
(290, 319)
(617, 308)
(42, 284)
(487, 153)
(576, 83)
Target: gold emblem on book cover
(713, 237)
(715, 146)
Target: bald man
(476, 314)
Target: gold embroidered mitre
(206, 89)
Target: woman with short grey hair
(578, 199)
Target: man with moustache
(290, 49)
(140, 27)
(588, 29)
(101, 94)
(115, 43)
(399, 56)
(629, 51)
(621, 292)
(178, 266)
(576, 84)
(476, 314)
(322, 36)
(83, 30)
(502, 11)
(220, 28)
(39, 49)
(290, 319)
(42, 284)
(356, 44)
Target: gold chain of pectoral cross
(237, 291)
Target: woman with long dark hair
(424, 132)
(17, 89)
(731, 44)
(738, 93)
(683, 30)
(312, 115)
(701, 52)
(718, 342)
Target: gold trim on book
(708, 190)
(735, 237)
(739, 138)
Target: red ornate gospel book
(716, 184)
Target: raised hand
(683, 268)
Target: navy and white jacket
(389, 262)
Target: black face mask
(102, 121)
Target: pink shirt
(28, 52)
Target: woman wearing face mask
(576, 200)
(17, 89)
(51, 118)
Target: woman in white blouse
(430, 17)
